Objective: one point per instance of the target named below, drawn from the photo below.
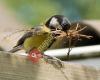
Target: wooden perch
(17, 67)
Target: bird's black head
(58, 22)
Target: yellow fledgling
(32, 39)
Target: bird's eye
(65, 27)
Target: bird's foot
(57, 63)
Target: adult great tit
(58, 22)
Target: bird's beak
(46, 30)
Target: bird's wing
(39, 30)
(15, 49)
(23, 38)
(20, 42)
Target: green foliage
(33, 12)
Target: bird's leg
(69, 49)
(57, 63)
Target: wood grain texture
(16, 67)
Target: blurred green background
(33, 12)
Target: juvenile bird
(32, 39)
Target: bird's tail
(15, 49)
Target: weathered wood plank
(17, 67)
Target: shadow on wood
(16, 67)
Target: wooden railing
(17, 67)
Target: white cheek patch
(54, 22)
